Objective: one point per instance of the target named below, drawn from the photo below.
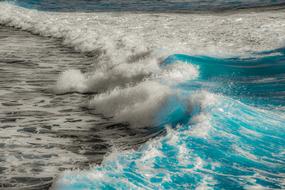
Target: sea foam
(126, 54)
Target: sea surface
(133, 94)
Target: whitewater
(208, 89)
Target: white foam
(71, 81)
(202, 128)
(129, 48)
(121, 75)
(137, 104)
(129, 92)
(207, 183)
(202, 99)
(179, 72)
(125, 34)
(201, 125)
(124, 74)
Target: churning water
(177, 101)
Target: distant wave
(147, 6)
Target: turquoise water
(258, 79)
(237, 142)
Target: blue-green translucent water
(232, 137)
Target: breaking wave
(223, 113)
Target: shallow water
(43, 133)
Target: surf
(213, 95)
(217, 140)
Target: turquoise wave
(225, 131)
(259, 79)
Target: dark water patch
(11, 104)
(8, 120)
(7, 126)
(71, 120)
(28, 130)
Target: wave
(124, 35)
(258, 78)
(233, 146)
(219, 141)
(223, 114)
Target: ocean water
(146, 5)
(225, 130)
(201, 95)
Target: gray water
(42, 133)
